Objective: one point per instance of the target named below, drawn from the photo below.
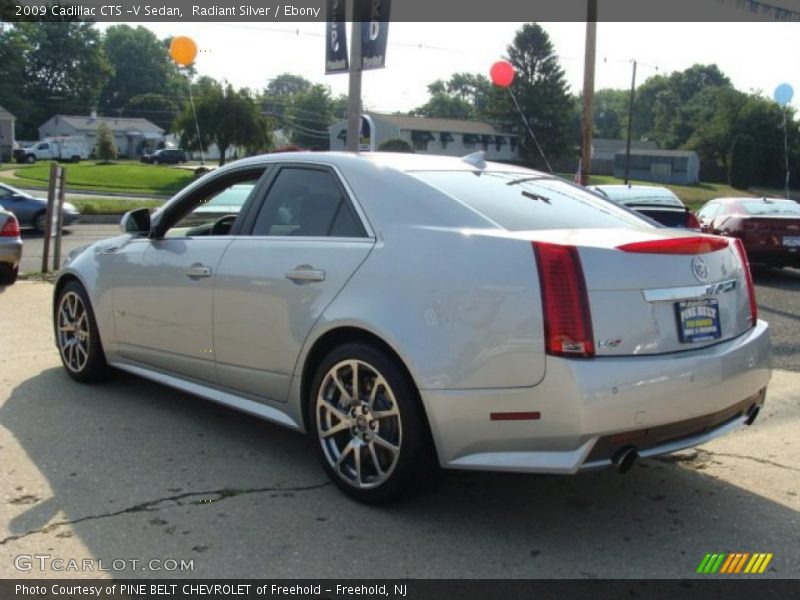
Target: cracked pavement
(130, 469)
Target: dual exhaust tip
(624, 459)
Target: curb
(98, 219)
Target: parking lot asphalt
(129, 469)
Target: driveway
(132, 470)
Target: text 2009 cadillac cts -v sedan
(417, 312)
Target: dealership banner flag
(336, 39)
(374, 18)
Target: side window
(307, 203)
(215, 212)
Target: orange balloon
(183, 50)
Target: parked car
(10, 248)
(72, 148)
(768, 227)
(412, 312)
(658, 203)
(165, 156)
(32, 211)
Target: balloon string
(196, 124)
(530, 129)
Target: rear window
(772, 207)
(518, 203)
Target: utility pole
(354, 94)
(588, 92)
(630, 125)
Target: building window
(445, 138)
(420, 139)
(486, 140)
(499, 142)
(469, 140)
(513, 143)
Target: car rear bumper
(10, 251)
(589, 409)
(774, 255)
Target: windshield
(522, 203)
(772, 207)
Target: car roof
(398, 160)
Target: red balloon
(502, 73)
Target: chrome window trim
(688, 292)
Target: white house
(7, 121)
(452, 137)
(133, 137)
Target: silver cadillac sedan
(417, 312)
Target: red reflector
(11, 228)
(748, 276)
(515, 416)
(684, 245)
(567, 321)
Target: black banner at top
(374, 17)
(336, 60)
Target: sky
(756, 56)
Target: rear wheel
(77, 336)
(30, 159)
(40, 221)
(372, 436)
(8, 273)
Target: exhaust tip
(752, 414)
(625, 458)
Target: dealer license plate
(791, 241)
(698, 320)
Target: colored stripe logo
(732, 563)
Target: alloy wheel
(358, 424)
(72, 324)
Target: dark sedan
(31, 211)
(165, 156)
(658, 203)
(10, 248)
(768, 227)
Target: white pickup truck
(67, 148)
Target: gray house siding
(7, 121)
(132, 137)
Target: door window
(307, 203)
(708, 211)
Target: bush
(395, 145)
(104, 148)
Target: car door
(163, 285)
(304, 242)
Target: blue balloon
(783, 94)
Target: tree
(140, 65)
(444, 105)
(541, 90)
(308, 117)
(50, 67)
(104, 148)
(226, 117)
(157, 108)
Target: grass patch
(119, 177)
(112, 206)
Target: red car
(768, 227)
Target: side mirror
(136, 222)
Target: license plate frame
(698, 320)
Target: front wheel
(373, 439)
(30, 159)
(8, 273)
(76, 333)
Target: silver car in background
(10, 247)
(417, 312)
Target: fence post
(48, 223)
(62, 184)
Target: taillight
(567, 321)
(684, 245)
(692, 222)
(748, 276)
(11, 228)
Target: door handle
(305, 273)
(197, 271)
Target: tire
(40, 221)
(30, 159)
(155, 161)
(8, 273)
(373, 456)
(77, 337)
